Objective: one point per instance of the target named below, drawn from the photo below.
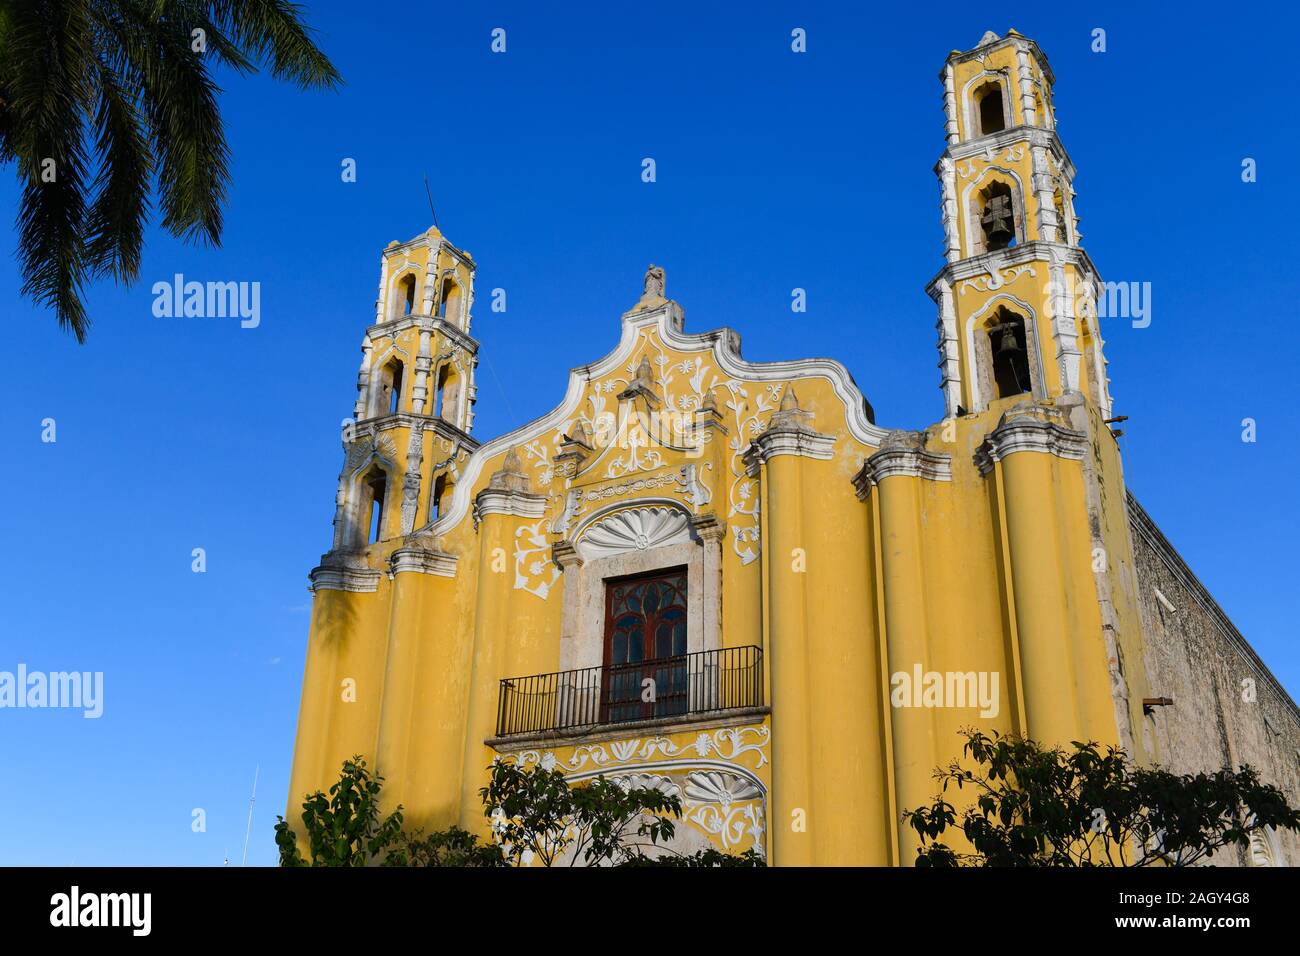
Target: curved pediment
(688, 373)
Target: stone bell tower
(1016, 296)
(410, 426)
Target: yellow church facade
(725, 579)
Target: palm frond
(273, 30)
(116, 219)
(47, 82)
(179, 102)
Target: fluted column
(1021, 455)
(893, 476)
(775, 456)
(414, 738)
(505, 498)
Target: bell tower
(1017, 295)
(410, 427)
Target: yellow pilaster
(845, 699)
(794, 808)
(906, 641)
(491, 632)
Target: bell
(997, 222)
(1009, 345)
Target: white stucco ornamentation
(745, 393)
(995, 279)
(636, 529)
(725, 805)
(535, 572)
(726, 743)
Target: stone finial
(511, 475)
(654, 283)
(790, 415)
(581, 434)
(988, 37)
(645, 376)
(642, 384)
(574, 450)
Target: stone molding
(507, 493)
(1034, 428)
(904, 454)
(431, 424)
(802, 444)
(423, 561)
(1012, 39)
(425, 323)
(997, 261)
(566, 555)
(518, 504)
(732, 717)
(789, 432)
(709, 527)
(344, 571)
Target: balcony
(685, 687)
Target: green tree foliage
(345, 828)
(451, 847)
(703, 859)
(1083, 807)
(535, 814)
(103, 102)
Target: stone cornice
(1035, 136)
(595, 733)
(425, 323)
(344, 571)
(801, 442)
(432, 425)
(566, 555)
(1033, 428)
(1028, 252)
(1011, 39)
(709, 527)
(424, 240)
(422, 561)
(506, 501)
(902, 454)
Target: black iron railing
(699, 683)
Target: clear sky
(775, 171)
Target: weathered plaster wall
(1228, 710)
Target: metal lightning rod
(430, 195)
(251, 802)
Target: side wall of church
(1227, 708)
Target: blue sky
(775, 171)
